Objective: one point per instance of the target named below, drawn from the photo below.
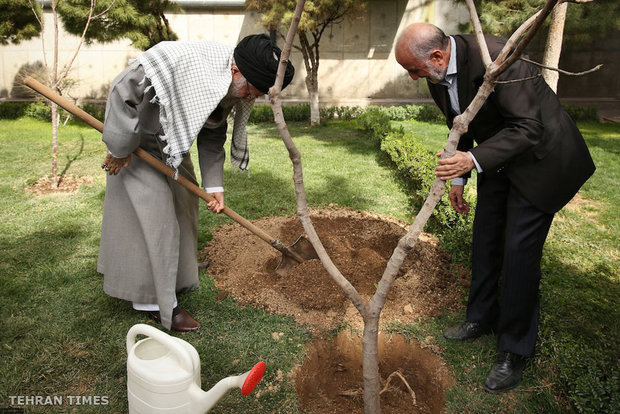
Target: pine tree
(18, 20)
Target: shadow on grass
(601, 136)
(71, 159)
(341, 134)
(606, 144)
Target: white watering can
(163, 375)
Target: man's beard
(436, 74)
(235, 91)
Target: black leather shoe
(466, 331)
(506, 373)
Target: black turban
(257, 58)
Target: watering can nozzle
(253, 378)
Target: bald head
(419, 39)
(424, 51)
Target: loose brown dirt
(66, 184)
(359, 244)
(330, 379)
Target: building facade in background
(357, 65)
(357, 60)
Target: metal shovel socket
(298, 252)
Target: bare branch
(475, 20)
(41, 23)
(35, 12)
(517, 80)
(104, 11)
(564, 72)
(540, 18)
(65, 72)
(515, 37)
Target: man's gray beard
(234, 92)
(436, 74)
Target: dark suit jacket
(522, 128)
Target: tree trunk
(54, 106)
(54, 145)
(315, 117)
(370, 363)
(553, 48)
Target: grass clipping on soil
(359, 243)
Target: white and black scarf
(190, 80)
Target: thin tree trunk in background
(315, 118)
(553, 47)
(54, 106)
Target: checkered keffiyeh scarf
(190, 80)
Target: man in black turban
(172, 95)
(257, 57)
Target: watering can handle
(164, 339)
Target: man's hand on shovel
(216, 205)
(113, 165)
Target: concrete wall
(357, 65)
(357, 60)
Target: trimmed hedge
(423, 113)
(416, 165)
(42, 110)
(263, 113)
(13, 110)
(582, 113)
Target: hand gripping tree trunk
(371, 310)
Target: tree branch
(41, 23)
(35, 12)
(497, 82)
(475, 20)
(564, 72)
(538, 21)
(65, 72)
(515, 37)
(104, 11)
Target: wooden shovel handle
(140, 153)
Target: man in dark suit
(531, 160)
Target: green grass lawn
(61, 335)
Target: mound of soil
(359, 244)
(330, 379)
(66, 184)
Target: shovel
(291, 255)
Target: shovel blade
(303, 248)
